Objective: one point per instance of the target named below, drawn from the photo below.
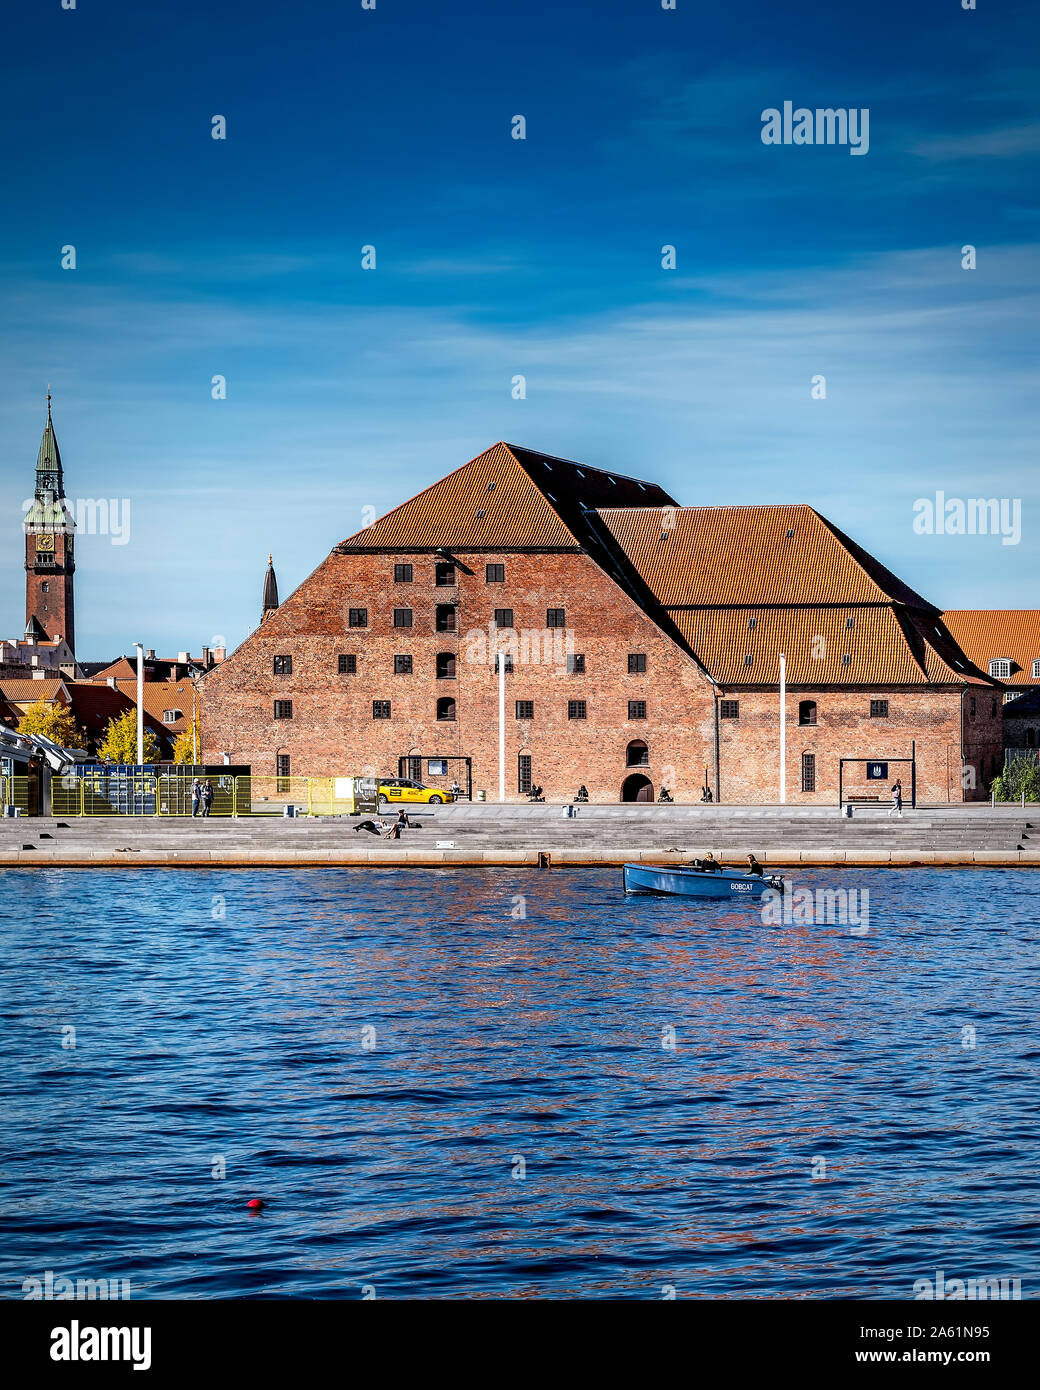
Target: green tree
(119, 744)
(1020, 774)
(55, 722)
(185, 748)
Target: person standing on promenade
(897, 798)
(196, 798)
(207, 798)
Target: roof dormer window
(1000, 668)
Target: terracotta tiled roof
(991, 634)
(702, 556)
(159, 696)
(121, 669)
(821, 649)
(22, 691)
(507, 497)
(94, 705)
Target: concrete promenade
(516, 835)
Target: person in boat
(709, 864)
(754, 867)
(583, 793)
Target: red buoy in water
(255, 1204)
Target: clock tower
(49, 548)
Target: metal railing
(165, 793)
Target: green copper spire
(48, 509)
(49, 459)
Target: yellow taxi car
(401, 791)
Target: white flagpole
(501, 726)
(783, 730)
(140, 703)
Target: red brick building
(643, 640)
(50, 561)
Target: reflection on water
(438, 1098)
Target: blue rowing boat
(684, 882)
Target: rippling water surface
(515, 1125)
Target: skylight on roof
(547, 465)
(579, 473)
(790, 532)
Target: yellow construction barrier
(15, 792)
(97, 793)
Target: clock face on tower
(45, 543)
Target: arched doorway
(637, 788)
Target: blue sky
(495, 257)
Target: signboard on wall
(877, 772)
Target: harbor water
(468, 1083)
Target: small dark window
(576, 664)
(445, 617)
(495, 574)
(993, 709)
(347, 664)
(1030, 737)
(446, 708)
(507, 663)
(637, 709)
(359, 617)
(879, 709)
(523, 780)
(636, 663)
(846, 659)
(283, 665)
(380, 709)
(637, 754)
(807, 712)
(402, 617)
(444, 573)
(402, 574)
(283, 709)
(403, 665)
(808, 772)
(45, 587)
(503, 617)
(971, 708)
(576, 709)
(555, 617)
(445, 666)
(525, 709)
(729, 709)
(281, 767)
(747, 659)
